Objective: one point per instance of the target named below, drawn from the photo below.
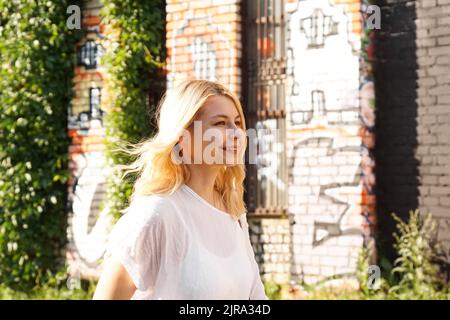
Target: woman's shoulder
(149, 208)
(155, 201)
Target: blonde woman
(185, 233)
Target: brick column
(89, 222)
(204, 41)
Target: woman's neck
(202, 182)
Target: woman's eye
(220, 123)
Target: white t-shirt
(179, 246)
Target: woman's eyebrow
(224, 116)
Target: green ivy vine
(133, 65)
(37, 56)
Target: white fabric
(179, 246)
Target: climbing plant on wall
(37, 56)
(136, 31)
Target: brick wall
(331, 126)
(89, 222)
(433, 112)
(329, 148)
(396, 117)
(413, 120)
(271, 239)
(327, 97)
(204, 41)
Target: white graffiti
(89, 237)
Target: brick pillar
(204, 41)
(89, 222)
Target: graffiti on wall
(89, 221)
(324, 126)
(204, 59)
(338, 191)
(320, 75)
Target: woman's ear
(180, 143)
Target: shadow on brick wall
(396, 114)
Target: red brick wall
(204, 30)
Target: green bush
(413, 275)
(50, 292)
(419, 276)
(272, 289)
(133, 67)
(36, 69)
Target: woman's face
(216, 135)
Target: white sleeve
(136, 240)
(257, 291)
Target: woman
(185, 234)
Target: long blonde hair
(157, 173)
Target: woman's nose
(235, 133)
